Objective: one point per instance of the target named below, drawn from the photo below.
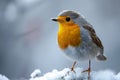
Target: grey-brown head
(75, 16)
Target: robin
(77, 38)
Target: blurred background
(28, 38)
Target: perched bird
(77, 38)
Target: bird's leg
(73, 66)
(88, 70)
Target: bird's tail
(101, 57)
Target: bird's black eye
(67, 19)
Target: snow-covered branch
(66, 74)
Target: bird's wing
(97, 41)
(94, 37)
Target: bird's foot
(88, 70)
(72, 68)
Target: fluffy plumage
(82, 44)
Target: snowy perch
(2, 77)
(78, 75)
(64, 75)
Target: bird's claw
(88, 70)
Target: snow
(2, 77)
(67, 74)
(35, 73)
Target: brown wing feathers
(94, 37)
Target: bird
(78, 39)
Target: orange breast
(69, 35)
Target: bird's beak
(54, 19)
